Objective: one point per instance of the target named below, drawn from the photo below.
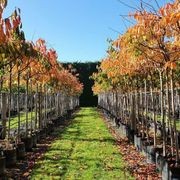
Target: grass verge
(86, 150)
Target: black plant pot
(62, 120)
(28, 141)
(137, 142)
(178, 134)
(69, 112)
(34, 139)
(130, 134)
(50, 128)
(151, 154)
(42, 133)
(174, 173)
(21, 151)
(165, 170)
(124, 130)
(55, 121)
(11, 157)
(1, 128)
(38, 136)
(2, 165)
(161, 163)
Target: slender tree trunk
(36, 108)
(40, 108)
(137, 112)
(173, 114)
(31, 105)
(3, 113)
(168, 116)
(116, 103)
(27, 94)
(10, 96)
(18, 106)
(1, 83)
(133, 113)
(146, 108)
(162, 112)
(45, 106)
(154, 116)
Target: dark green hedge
(85, 70)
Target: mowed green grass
(14, 120)
(85, 150)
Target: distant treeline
(85, 70)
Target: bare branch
(127, 5)
(125, 17)
(157, 4)
(123, 20)
(115, 30)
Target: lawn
(85, 150)
(158, 118)
(14, 120)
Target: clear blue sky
(76, 29)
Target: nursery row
(34, 112)
(13, 151)
(35, 89)
(142, 113)
(138, 82)
(165, 165)
(33, 84)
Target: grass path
(85, 150)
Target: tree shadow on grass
(103, 140)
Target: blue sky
(76, 29)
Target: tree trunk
(168, 121)
(146, 108)
(173, 111)
(31, 106)
(39, 109)
(116, 103)
(154, 116)
(18, 107)
(27, 94)
(3, 113)
(162, 112)
(133, 113)
(10, 96)
(45, 106)
(36, 108)
(137, 112)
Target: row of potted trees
(34, 87)
(136, 123)
(138, 82)
(15, 148)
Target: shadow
(108, 140)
